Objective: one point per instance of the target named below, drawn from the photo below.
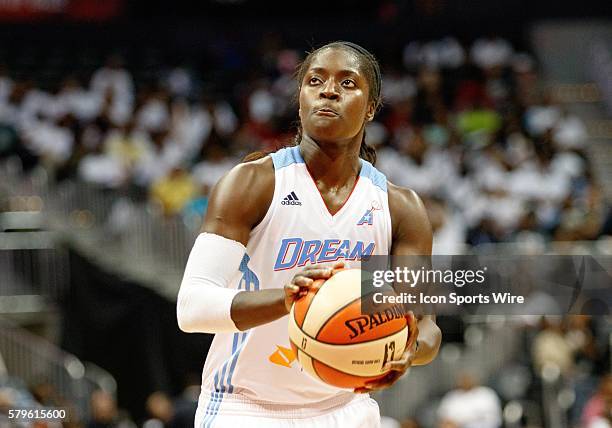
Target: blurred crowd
(471, 128)
(161, 409)
(559, 376)
(559, 371)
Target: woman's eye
(348, 83)
(314, 80)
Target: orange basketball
(338, 344)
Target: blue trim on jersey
(291, 155)
(376, 177)
(249, 278)
(215, 399)
(285, 157)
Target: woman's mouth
(326, 112)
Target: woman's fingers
(292, 288)
(403, 364)
(413, 330)
(317, 273)
(302, 281)
(383, 383)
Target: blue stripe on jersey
(287, 156)
(249, 278)
(217, 396)
(376, 177)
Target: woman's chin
(325, 133)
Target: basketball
(338, 344)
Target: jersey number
(389, 349)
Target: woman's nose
(329, 90)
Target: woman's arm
(429, 339)
(250, 309)
(236, 204)
(205, 305)
(412, 236)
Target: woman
(284, 219)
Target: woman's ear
(370, 112)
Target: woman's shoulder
(403, 199)
(409, 218)
(241, 197)
(250, 177)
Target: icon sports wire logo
(291, 199)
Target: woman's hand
(301, 282)
(398, 367)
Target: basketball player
(276, 224)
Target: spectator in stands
(551, 348)
(74, 99)
(216, 161)
(605, 419)
(491, 51)
(543, 116)
(14, 395)
(174, 191)
(46, 394)
(420, 168)
(398, 87)
(570, 132)
(409, 423)
(160, 411)
(470, 405)
(105, 414)
(153, 115)
(100, 168)
(114, 82)
(450, 129)
(127, 145)
(582, 216)
(599, 403)
(180, 81)
(449, 229)
(158, 159)
(389, 422)
(487, 231)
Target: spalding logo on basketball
(335, 342)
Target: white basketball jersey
(297, 230)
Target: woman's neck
(332, 164)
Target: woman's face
(334, 97)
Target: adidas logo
(291, 199)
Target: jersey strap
(287, 156)
(375, 176)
